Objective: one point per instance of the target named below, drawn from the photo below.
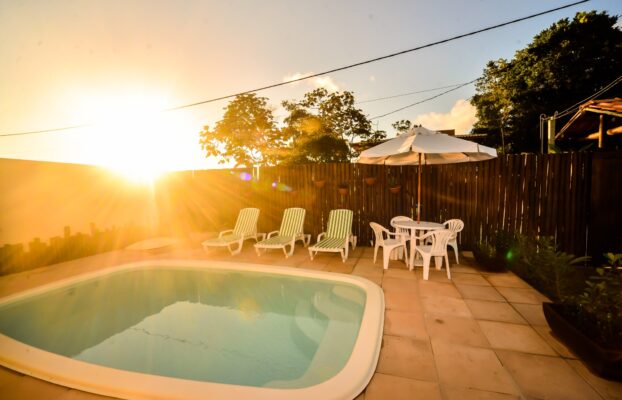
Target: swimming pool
(198, 329)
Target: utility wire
(575, 107)
(423, 101)
(407, 94)
(331, 70)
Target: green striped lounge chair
(245, 228)
(337, 236)
(292, 229)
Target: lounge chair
(337, 236)
(292, 229)
(245, 228)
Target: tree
(563, 65)
(247, 134)
(321, 126)
(402, 126)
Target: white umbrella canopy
(435, 148)
(420, 146)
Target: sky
(114, 64)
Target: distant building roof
(584, 125)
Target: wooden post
(419, 190)
(601, 131)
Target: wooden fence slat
(533, 194)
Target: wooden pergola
(596, 120)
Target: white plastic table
(415, 226)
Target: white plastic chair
(455, 226)
(388, 244)
(405, 231)
(437, 249)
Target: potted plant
(319, 183)
(590, 324)
(394, 186)
(343, 188)
(370, 180)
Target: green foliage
(402, 126)
(321, 125)
(246, 134)
(552, 271)
(599, 307)
(497, 254)
(563, 65)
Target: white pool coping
(346, 384)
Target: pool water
(233, 327)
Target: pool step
(323, 365)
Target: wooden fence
(535, 194)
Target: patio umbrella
(420, 146)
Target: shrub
(551, 271)
(598, 310)
(497, 254)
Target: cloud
(317, 82)
(461, 117)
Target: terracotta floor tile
(339, 267)
(10, 377)
(520, 295)
(515, 337)
(439, 305)
(31, 388)
(408, 358)
(387, 387)
(463, 268)
(465, 331)
(365, 267)
(506, 279)
(458, 393)
(402, 301)
(494, 311)
(405, 324)
(479, 292)
(560, 348)
(532, 313)
(432, 289)
(610, 390)
(471, 367)
(469, 279)
(546, 377)
(79, 395)
(376, 279)
(399, 273)
(399, 285)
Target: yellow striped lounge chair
(292, 229)
(337, 236)
(245, 228)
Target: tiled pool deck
(479, 336)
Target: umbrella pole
(419, 190)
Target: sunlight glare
(134, 138)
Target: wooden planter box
(604, 362)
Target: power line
(331, 70)
(575, 107)
(423, 101)
(407, 94)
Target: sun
(133, 137)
